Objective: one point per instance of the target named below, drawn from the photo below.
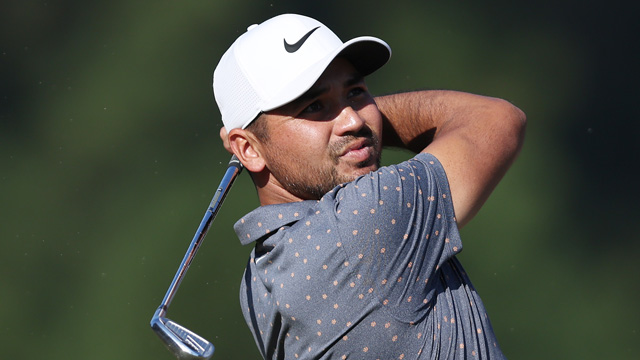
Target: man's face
(328, 136)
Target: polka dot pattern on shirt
(366, 264)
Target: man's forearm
(412, 120)
(476, 138)
(407, 119)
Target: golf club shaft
(234, 168)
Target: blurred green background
(109, 155)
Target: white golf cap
(275, 62)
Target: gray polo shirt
(367, 272)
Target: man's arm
(476, 139)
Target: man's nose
(348, 122)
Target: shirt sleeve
(398, 228)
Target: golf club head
(182, 342)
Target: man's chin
(362, 169)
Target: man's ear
(225, 139)
(248, 149)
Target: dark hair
(258, 127)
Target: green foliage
(110, 154)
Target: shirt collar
(266, 220)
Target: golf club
(182, 342)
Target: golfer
(352, 260)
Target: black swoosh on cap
(291, 48)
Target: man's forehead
(339, 73)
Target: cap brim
(366, 53)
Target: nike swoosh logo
(291, 48)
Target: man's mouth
(358, 151)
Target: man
(353, 261)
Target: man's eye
(356, 91)
(314, 107)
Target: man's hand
(476, 139)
